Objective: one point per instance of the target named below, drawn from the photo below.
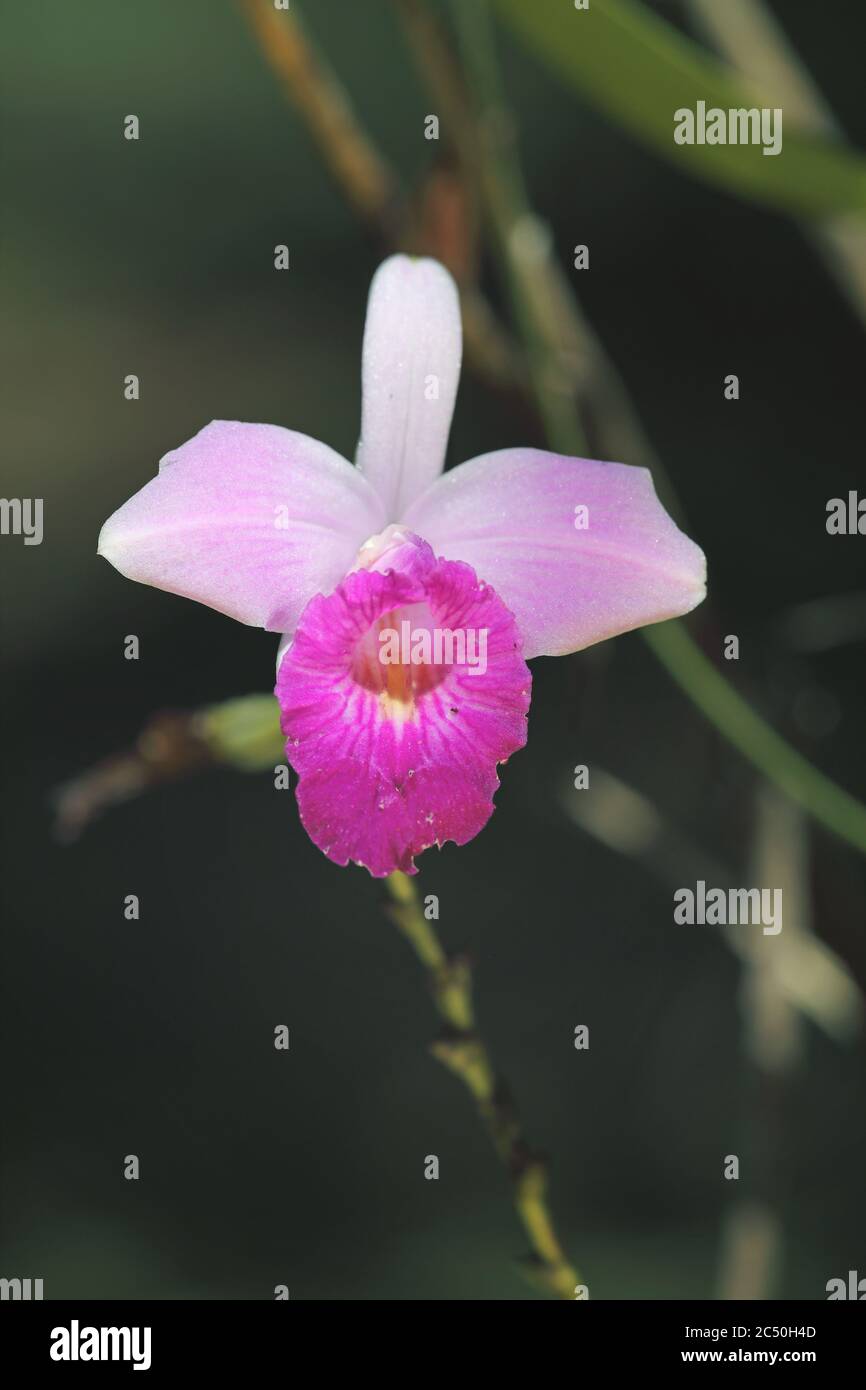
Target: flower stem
(462, 1050)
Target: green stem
(753, 41)
(464, 1053)
(546, 298)
(755, 739)
(523, 241)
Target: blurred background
(155, 1037)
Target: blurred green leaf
(638, 70)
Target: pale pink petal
(411, 367)
(513, 516)
(392, 760)
(252, 520)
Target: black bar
(225, 1337)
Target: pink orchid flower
(519, 553)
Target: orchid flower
(519, 553)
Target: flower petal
(394, 759)
(513, 515)
(249, 519)
(411, 368)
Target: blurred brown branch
(243, 733)
(312, 87)
(438, 222)
(168, 748)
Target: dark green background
(155, 1037)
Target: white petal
(578, 550)
(252, 520)
(411, 368)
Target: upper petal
(252, 520)
(513, 516)
(411, 367)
